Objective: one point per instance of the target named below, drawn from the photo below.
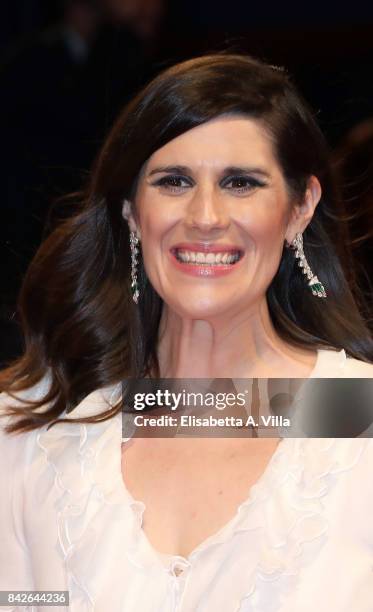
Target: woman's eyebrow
(225, 171)
(246, 170)
(171, 170)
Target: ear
(129, 217)
(302, 213)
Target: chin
(199, 308)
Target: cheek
(154, 218)
(265, 227)
(266, 231)
(151, 233)
(154, 226)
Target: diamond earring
(134, 241)
(314, 284)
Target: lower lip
(204, 270)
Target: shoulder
(13, 445)
(34, 392)
(355, 368)
(336, 363)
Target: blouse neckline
(236, 523)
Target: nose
(206, 211)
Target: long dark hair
(75, 305)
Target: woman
(202, 248)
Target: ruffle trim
(82, 458)
(295, 517)
(96, 513)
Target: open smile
(206, 261)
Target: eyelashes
(173, 182)
(240, 184)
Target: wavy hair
(75, 305)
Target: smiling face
(212, 212)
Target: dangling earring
(314, 284)
(134, 251)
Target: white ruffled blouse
(302, 541)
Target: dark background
(67, 67)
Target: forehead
(226, 139)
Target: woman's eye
(242, 184)
(173, 183)
(239, 184)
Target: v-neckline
(139, 507)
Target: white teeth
(207, 258)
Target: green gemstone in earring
(316, 287)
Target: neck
(245, 345)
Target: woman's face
(212, 213)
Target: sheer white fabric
(302, 540)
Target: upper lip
(203, 247)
